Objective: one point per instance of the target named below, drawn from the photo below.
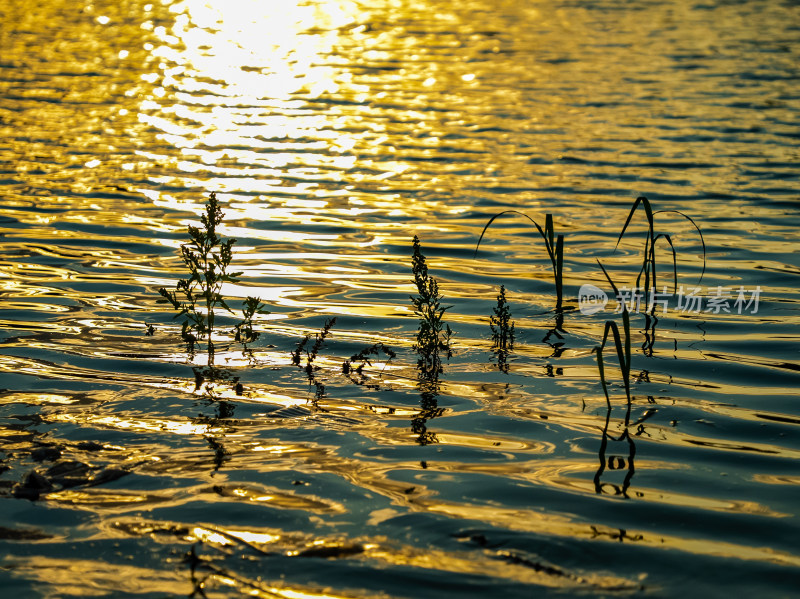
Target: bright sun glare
(231, 73)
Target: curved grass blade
(674, 259)
(699, 232)
(608, 278)
(554, 247)
(648, 212)
(496, 216)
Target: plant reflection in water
(622, 445)
(219, 423)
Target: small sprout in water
(501, 325)
(319, 340)
(243, 332)
(362, 359)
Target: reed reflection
(615, 454)
(554, 337)
(650, 322)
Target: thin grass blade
(496, 216)
(608, 278)
(648, 211)
(674, 259)
(559, 268)
(699, 232)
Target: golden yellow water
(332, 133)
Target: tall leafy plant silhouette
(432, 343)
(500, 323)
(433, 335)
(198, 297)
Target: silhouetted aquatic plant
(432, 343)
(319, 340)
(553, 244)
(354, 366)
(648, 268)
(310, 355)
(197, 299)
(502, 329)
(433, 336)
(243, 331)
(501, 324)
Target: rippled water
(333, 132)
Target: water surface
(332, 133)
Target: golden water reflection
(334, 131)
(230, 77)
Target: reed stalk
(553, 244)
(648, 267)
